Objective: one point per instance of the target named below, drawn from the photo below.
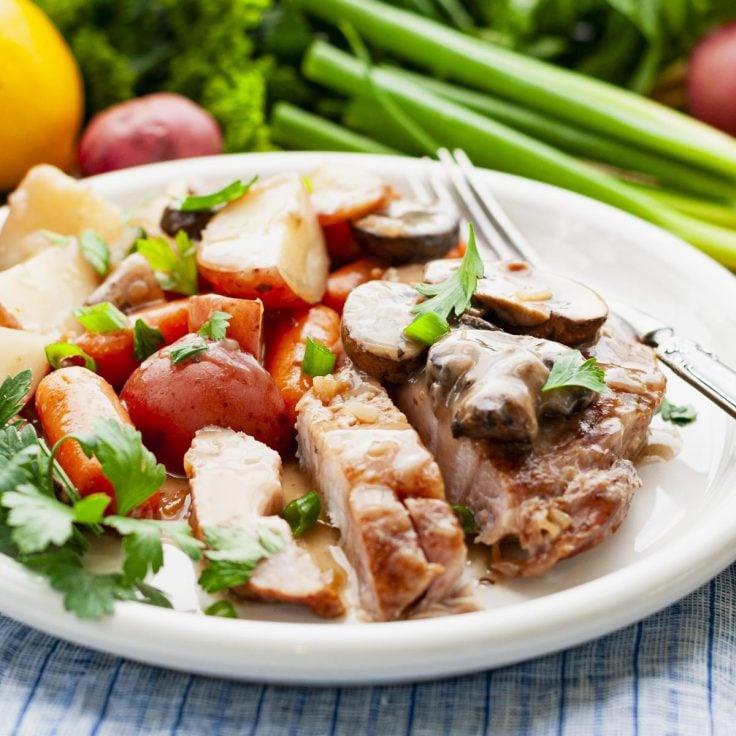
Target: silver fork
(498, 237)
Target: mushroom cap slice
(523, 299)
(407, 232)
(373, 322)
(132, 284)
(492, 383)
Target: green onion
(58, 352)
(57, 238)
(95, 250)
(679, 415)
(465, 517)
(319, 360)
(102, 317)
(232, 191)
(427, 328)
(302, 513)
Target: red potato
(711, 81)
(267, 245)
(341, 193)
(156, 127)
(246, 325)
(285, 348)
(222, 386)
(342, 281)
(71, 400)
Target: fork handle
(697, 366)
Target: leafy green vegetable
(571, 370)
(427, 328)
(679, 415)
(318, 360)
(95, 250)
(302, 513)
(234, 190)
(223, 609)
(102, 317)
(13, 391)
(146, 340)
(58, 352)
(186, 352)
(455, 292)
(215, 328)
(176, 268)
(465, 517)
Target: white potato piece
(48, 199)
(21, 350)
(41, 292)
(268, 245)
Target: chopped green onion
(427, 328)
(302, 513)
(465, 517)
(146, 340)
(216, 326)
(57, 238)
(95, 250)
(222, 609)
(102, 317)
(319, 360)
(58, 352)
(679, 415)
(308, 184)
(185, 352)
(232, 191)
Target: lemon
(41, 97)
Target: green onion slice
(58, 352)
(319, 360)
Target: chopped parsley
(13, 391)
(466, 518)
(146, 340)
(215, 328)
(302, 513)
(223, 609)
(187, 352)
(678, 415)
(175, 267)
(571, 370)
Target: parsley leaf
(234, 190)
(59, 352)
(126, 463)
(176, 267)
(146, 340)
(223, 609)
(216, 326)
(465, 517)
(678, 415)
(456, 291)
(102, 317)
(95, 250)
(13, 391)
(302, 513)
(233, 555)
(318, 359)
(570, 370)
(185, 352)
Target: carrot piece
(457, 252)
(342, 281)
(285, 345)
(71, 400)
(245, 326)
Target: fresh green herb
(454, 294)
(146, 340)
(308, 184)
(102, 317)
(95, 250)
(215, 328)
(427, 328)
(126, 463)
(232, 191)
(186, 352)
(57, 238)
(58, 352)
(13, 391)
(223, 609)
(679, 415)
(570, 370)
(319, 360)
(176, 267)
(233, 555)
(465, 517)
(302, 513)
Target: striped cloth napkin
(674, 673)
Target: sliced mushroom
(192, 223)
(373, 322)
(407, 232)
(132, 284)
(492, 382)
(522, 299)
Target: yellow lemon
(41, 97)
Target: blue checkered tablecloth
(673, 673)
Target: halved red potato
(246, 325)
(267, 245)
(341, 193)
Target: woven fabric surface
(673, 673)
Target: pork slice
(567, 490)
(236, 484)
(368, 462)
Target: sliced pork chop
(570, 487)
(384, 492)
(236, 484)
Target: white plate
(680, 532)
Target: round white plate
(681, 529)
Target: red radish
(156, 127)
(711, 79)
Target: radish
(156, 127)
(711, 79)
